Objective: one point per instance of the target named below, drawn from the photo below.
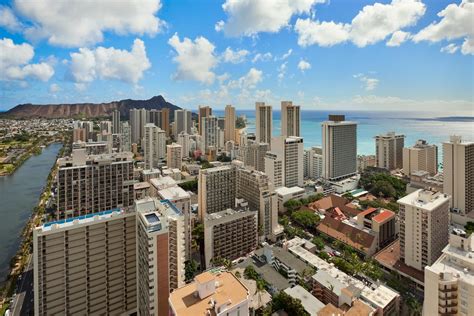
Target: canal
(19, 194)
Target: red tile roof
(346, 233)
(383, 216)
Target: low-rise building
(310, 303)
(285, 194)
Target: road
(23, 302)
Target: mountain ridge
(87, 110)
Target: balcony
(447, 305)
(452, 288)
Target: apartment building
(449, 282)
(213, 292)
(313, 163)
(160, 254)
(86, 265)
(339, 148)
(420, 157)
(263, 122)
(93, 183)
(182, 122)
(253, 155)
(210, 132)
(174, 156)
(256, 189)
(216, 190)
(458, 173)
(154, 146)
(203, 111)
(229, 123)
(290, 151)
(389, 150)
(184, 140)
(274, 168)
(230, 234)
(381, 222)
(290, 119)
(424, 220)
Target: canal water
(19, 194)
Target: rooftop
(141, 185)
(173, 193)
(163, 182)
(292, 190)
(310, 303)
(425, 199)
(80, 219)
(185, 301)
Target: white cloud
(249, 81)
(287, 54)
(282, 71)
(8, 19)
(371, 25)
(304, 65)
(456, 22)
(450, 49)
(110, 63)
(80, 86)
(77, 23)
(54, 88)
(375, 22)
(195, 59)
(249, 17)
(398, 38)
(468, 46)
(262, 57)
(324, 34)
(15, 63)
(369, 83)
(234, 57)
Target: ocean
(414, 125)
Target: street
(23, 302)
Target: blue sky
(362, 55)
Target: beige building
(389, 150)
(203, 111)
(229, 234)
(421, 157)
(256, 189)
(290, 119)
(274, 168)
(79, 134)
(93, 183)
(313, 163)
(364, 161)
(458, 173)
(449, 282)
(339, 148)
(86, 266)
(174, 156)
(160, 254)
(263, 122)
(216, 190)
(424, 221)
(213, 292)
(253, 155)
(290, 151)
(229, 123)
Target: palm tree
(259, 289)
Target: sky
(403, 55)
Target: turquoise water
(419, 125)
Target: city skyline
(243, 59)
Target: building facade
(420, 157)
(313, 163)
(263, 122)
(290, 119)
(174, 156)
(389, 150)
(229, 123)
(290, 151)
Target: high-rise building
(421, 157)
(216, 189)
(165, 121)
(105, 126)
(86, 266)
(274, 168)
(185, 141)
(339, 148)
(364, 161)
(389, 150)
(449, 282)
(458, 173)
(160, 254)
(256, 189)
(79, 134)
(253, 155)
(154, 146)
(210, 132)
(227, 294)
(138, 119)
(90, 184)
(263, 122)
(125, 137)
(290, 151)
(313, 163)
(229, 234)
(155, 117)
(424, 221)
(203, 111)
(290, 119)
(116, 126)
(174, 156)
(229, 124)
(182, 122)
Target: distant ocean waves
(447, 119)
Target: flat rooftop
(173, 193)
(292, 190)
(427, 200)
(80, 219)
(184, 301)
(310, 303)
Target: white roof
(163, 182)
(174, 193)
(425, 199)
(286, 191)
(310, 303)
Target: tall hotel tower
(290, 119)
(263, 122)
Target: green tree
(306, 218)
(318, 242)
(190, 269)
(283, 301)
(191, 185)
(292, 205)
(240, 122)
